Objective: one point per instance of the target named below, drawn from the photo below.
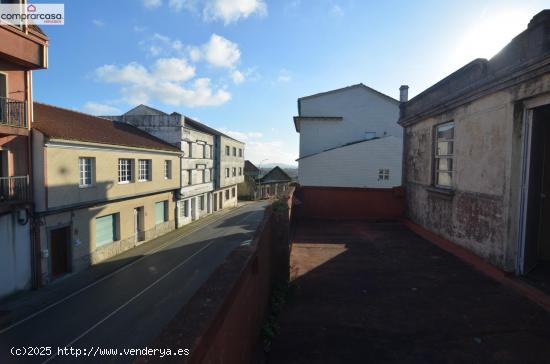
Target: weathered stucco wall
(481, 213)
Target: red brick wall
(349, 203)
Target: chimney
(403, 93)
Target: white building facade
(349, 137)
(204, 187)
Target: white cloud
(98, 23)
(139, 29)
(336, 10)
(96, 108)
(165, 83)
(152, 3)
(218, 52)
(284, 76)
(242, 136)
(233, 10)
(159, 44)
(173, 69)
(237, 77)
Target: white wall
(362, 110)
(356, 165)
(15, 255)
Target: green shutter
(160, 212)
(104, 230)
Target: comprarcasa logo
(38, 14)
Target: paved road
(129, 308)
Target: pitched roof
(285, 177)
(249, 167)
(193, 124)
(358, 85)
(59, 123)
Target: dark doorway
(59, 251)
(537, 232)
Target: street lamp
(259, 182)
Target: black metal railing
(13, 113)
(14, 188)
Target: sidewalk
(378, 293)
(22, 304)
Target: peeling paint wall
(481, 212)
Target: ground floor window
(184, 208)
(227, 194)
(161, 212)
(201, 202)
(233, 192)
(106, 229)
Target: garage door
(105, 231)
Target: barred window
(144, 170)
(444, 155)
(125, 170)
(234, 171)
(85, 166)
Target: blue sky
(240, 65)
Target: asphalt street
(129, 307)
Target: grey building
(206, 185)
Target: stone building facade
(473, 170)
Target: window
(240, 152)
(161, 212)
(125, 170)
(106, 229)
(167, 169)
(190, 149)
(3, 85)
(207, 175)
(185, 208)
(444, 155)
(201, 202)
(202, 150)
(227, 150)
(234, 171)
(189, 177)
(207, 152)
(227, 172)
(144, 170)
(233, 192)
(227, 194)
(234, 152)
(240, 171)
(86, 168)
(200, 175)
(383, 174)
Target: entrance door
(537, 229)
(138, 224)
(215, 204)
(59, 251)
(221, 200)
(208, 198)
(193, 209)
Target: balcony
(13, 113)
(14, 189)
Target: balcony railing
(14, 189)
(13, 113)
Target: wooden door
(59, 251)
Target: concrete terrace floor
(378, 293)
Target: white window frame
(167, 169)
(145, 170)
(86, 175)
(438, 156)
(125, 170)
(384, 174)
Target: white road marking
(130, 300)
(121, 269)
